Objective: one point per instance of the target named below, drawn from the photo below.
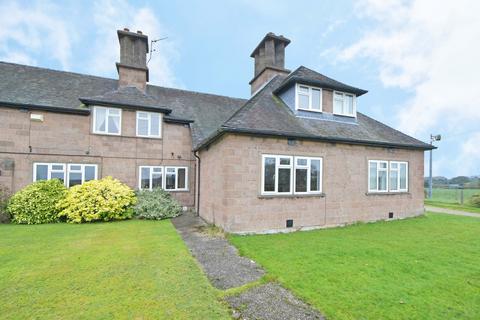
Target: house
(296, 154)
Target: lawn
(419, 268)
(454, 206)
(120, 270)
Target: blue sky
(418, 60)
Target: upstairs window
(344, 104)
(148, 124)
(107, 120)
(308, 98)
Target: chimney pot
(139, 32)
(126, 29)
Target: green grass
(421, 268)
(121, 270)
(454, 206)
(452, 195)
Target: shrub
(156, 205)
(98, 200)
(475, 200)
(37, 202)
(4, 195)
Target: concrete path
(226, 269)
(452, 211)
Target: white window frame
(293, 166)
(164, 177)
(82, 171)
(310, 98)
(309, 177)
(399, 163)
(344, 106)
(149, 126)
(65, 171)
(107, 114)
(388, 169)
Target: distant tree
(459, 180)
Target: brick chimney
(269, 60)
(132, 68)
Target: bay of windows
(291, 175)
(165, 177)
(387, 176)
(70, 174)
(107, 120)
(309, 98)
(344, 104)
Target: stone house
(297, 154)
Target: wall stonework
(231, 177)
(67, 138)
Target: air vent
(289, 223)
(390, 215)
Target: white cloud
(113, 15)
(430, 49)
(28, 32)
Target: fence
(452, 195)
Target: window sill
(148, 137)
(169, 190)
(307, 195)
(310, 110)
(387, 193)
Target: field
(451, 199)
(120, 270)
(419, 268)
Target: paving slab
(218, 258)
(270, 301)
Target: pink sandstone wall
(231, 178)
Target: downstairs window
(168, 178)
(387, 176)
(70, 174)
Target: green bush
(475, 200)
(156, 205)
(98, 200)
(4, 196)
(37, 202)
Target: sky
(418, 59)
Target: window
(76, 173)
(168, 178)
(344, 104)
(309, 98)
(80, 173)
(291, 175)
(107, 120)
(148, 124)
(384, 176)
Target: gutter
(88, 101)
(27, 106)
(197, 209)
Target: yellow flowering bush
(98, 200)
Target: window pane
(285, 161)
(403, 176)
(303, 101)
(393, 180)
(301, 180)
(382, 180)
(181, 178)
(145, 178)
(142, 127)
(315, 175)
(283, 180)
(338, 106)
(157, 169)
(74, 178)
(303, 89)
(373, 176)
(90, 173)
(301, 162)
(156, 180)
(114, 112)
(142, 115)
(42, 172)
(316, 99)
(269, 174)
(155, 125)
(170, 180)
(349, 102)
(73, 167)
(100, 117)
(58, 175)
(59, 167)
(113, 124)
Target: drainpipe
(198, 184)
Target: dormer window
(344, 104)
(308, 98)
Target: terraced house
(296, 154)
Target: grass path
(121, 270)
(421, 268)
